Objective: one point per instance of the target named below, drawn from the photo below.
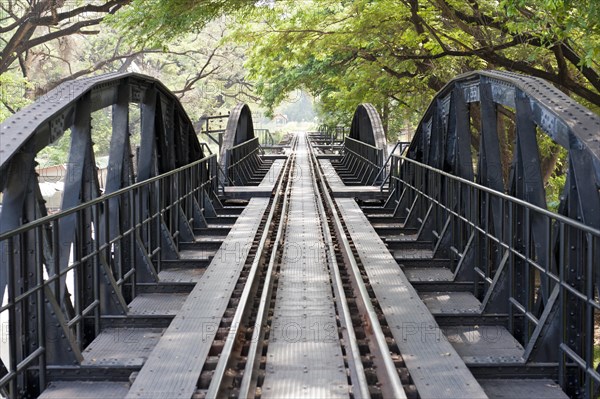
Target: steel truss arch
(442, 138)
(108, 241)
(366, 127)
(240, 155)
(239, 130)
(455, 187)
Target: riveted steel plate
(121, 347)
(157, 304)
(304, 357)
(183, 275)
(85, 390)
(428, 274)
(450, 302)
(485, 344)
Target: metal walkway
(304, 358)
(174, 366)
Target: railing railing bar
(29, 359)
(510, 248)
(517, 201)
(588, 368)
(75, 320)
(41, 305)
(12, 316)
(498, 241)
(361, 143)
(523, 310)
(115, 194)
(127, 275)
(245, 143)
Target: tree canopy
(397, 53)
(393, 53)
(47, 42)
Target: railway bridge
(325, 266)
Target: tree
(152, 23)
(201, 68)
(396, 54)
(48, 42)
(26, 24)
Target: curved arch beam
(43, 122)
(367, 127)
(239, 129)
(558, 115)
(168, 141)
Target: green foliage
(396, 55)
(576, 22)
(205, 72)
(13, 93)
(554, 188)
(57, 153)
(155, 23)
(553, 159)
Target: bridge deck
(304, 352)
(304, 359)
(174, 366)
(416, 332)
(264, 188)
(340, 189)
(460, 277)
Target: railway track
(302, 320)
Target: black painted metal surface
(488, 217)
(64, 273)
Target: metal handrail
(361, 159)
(387, 160)
(167, 194)
(362, 143)
(46, 219)
(460, 200)
(499, 194)
(244, 144)
(242, 160)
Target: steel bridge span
(324, 266)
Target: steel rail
(252, 359)
(395, 385)
(225, 358)
(357, 377)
